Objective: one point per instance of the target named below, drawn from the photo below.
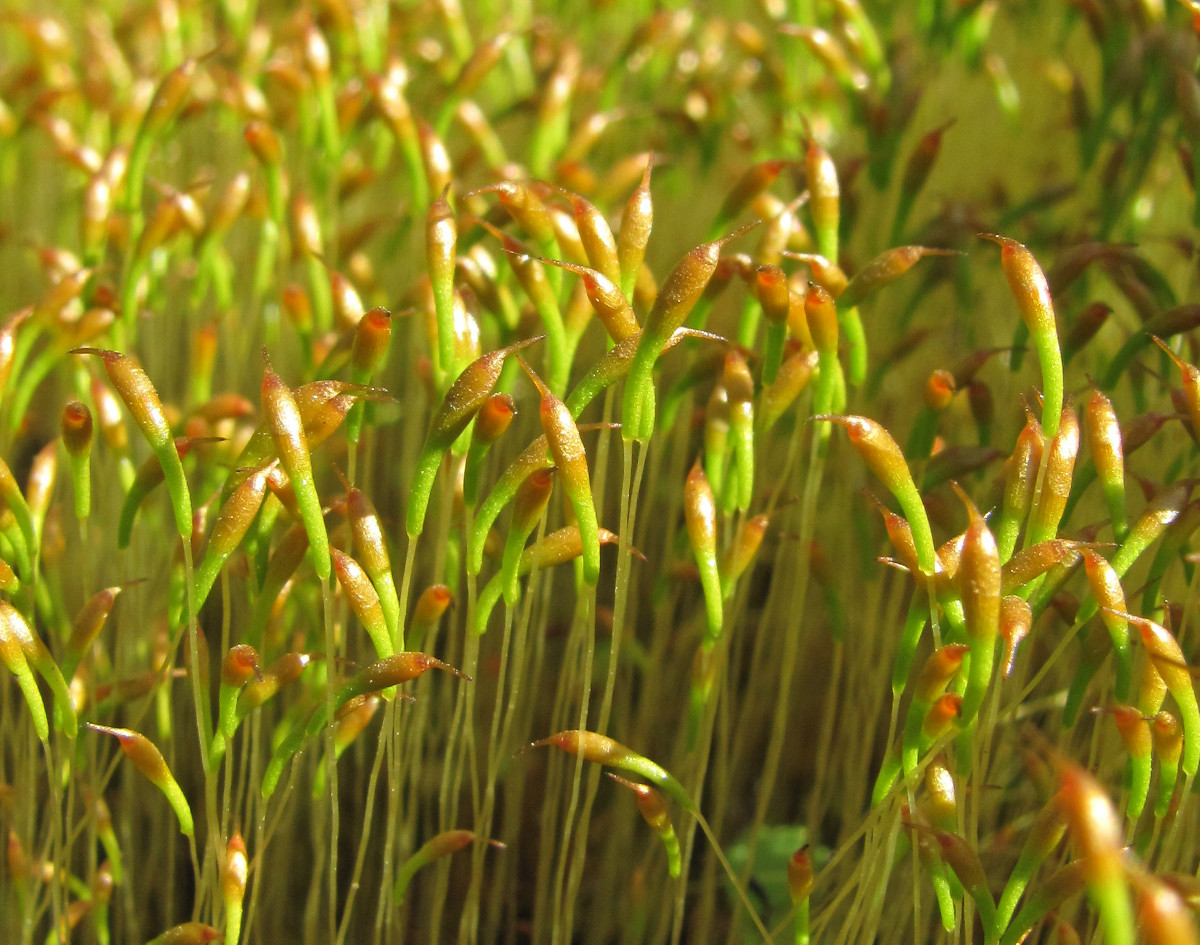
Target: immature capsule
(674, 302)
(441, 236)
(877, 448)
(602, 750)
(77, 438)
(234, 871)
(1106, 588)
(1045, 834)
(1134, 730)
(463, 400)
(1096, 833)
(141, 399)
(1169, 660)
(371, 550)
(528, 504)
(87, 626)
(16, 633)
(885, 269)
(149, 760)
(1104, 443)
(1168, 747)
(654, 811)
(1016, 619)
(607, 299)
(700, 516)
(364, 601)
(12, 654)
(634, 233)
(566, 448)
(1056, 488)
(233, 521)
(1020, 482)
(189, 933)
(1032, 293)
(442, 845)
(283, 419)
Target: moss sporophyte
(789, 413)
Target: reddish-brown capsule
(649, 801)
(794, 375)
(741, 553)
(263, 142)
(400, 668)
(296, 307)
(1093, 823)
(821, 318)
(607, 300)
(771, 290)
(885, 268)
(1163, 916)
(753, 182)
(234, 870)
(77, 428)
(230, 206)
(87, 626)
(800, 875)
(1019, 486)
(237, 514)
(1191, 383)
(1167, 736)
(284, 671)
(828, 275)
(494, 418)
(240, 665)
(432, 604)
(1032, 294)
(189, 933)
(939, 390)
(941, 666)
(900, 535)
(140, 750)
(1152, 689)
(370, 546)
(1016, 620)
(372, 336)
(979, 580)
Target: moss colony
(601, 473)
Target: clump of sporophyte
(789, 412)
